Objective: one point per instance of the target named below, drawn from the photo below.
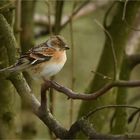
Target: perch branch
(95, 95)
(28, 97)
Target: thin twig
(133, 115)
(102, 75)
(124, 9)
(75, 12)
(80, 11)
(136, 123)
(112, 48)
(18, 21)
(72, 64)
(109, 106)
(51, 94)
(49, 16)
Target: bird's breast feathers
(49, 68)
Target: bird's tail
(9, 69)
(14, 68)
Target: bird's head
(58, 42)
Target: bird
(44, 60)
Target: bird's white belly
(51, 69)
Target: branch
(49, 16)
(110, 106)
(88, 129)
(21, 85)
(95, 95)
(28, 97)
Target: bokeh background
(89, 60)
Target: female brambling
(44, 60)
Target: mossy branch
(20, 83)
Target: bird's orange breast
(58, 59)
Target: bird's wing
(35, 55)
(40, 54)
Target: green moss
(6, 117)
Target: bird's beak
(66, 47)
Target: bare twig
(137, 122)
(112, 47)
(18, 21)
(49, 16)
(42, 20)
(75, 12)
(124, 9)
(110, 106)
(72, 63)
(133, 115)
(95, 95)
(102, 75)
(82, 10)
(51, 94)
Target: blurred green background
(88, 40)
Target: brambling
(44, 60)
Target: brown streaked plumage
(43, 60)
